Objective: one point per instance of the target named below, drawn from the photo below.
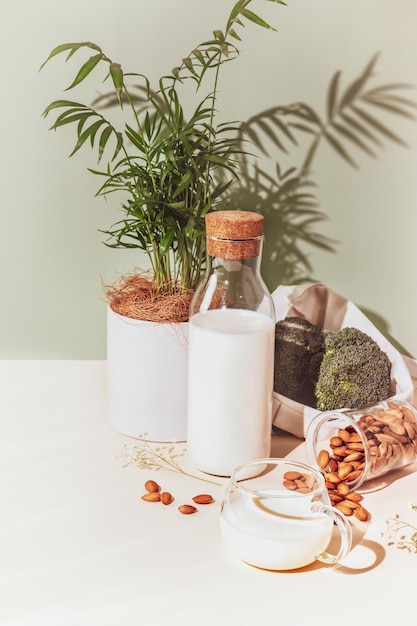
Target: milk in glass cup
(276, 515)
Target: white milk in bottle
(231, 349)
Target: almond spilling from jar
(362, 514)
(346, 510)
(203, 498)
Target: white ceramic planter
(147, 367)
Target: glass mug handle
(345, 531)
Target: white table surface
(78, 546)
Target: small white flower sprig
(400, 533)
(143, 455)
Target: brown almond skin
(187, 509)
(335, 498)
(343, 489)
(333, 465)
(344, 470)
(292, 475)
(350, 504)
(345, 509)
(332, 477)
(152, 486)
(166, 497)
(289, 484)
(354, 496)
(362, 514)
(353, 476)
(151, 496)
(323, 459)
(344, 435)
(203, 498)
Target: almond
(152, 486)
(344, 435)
(151, 496)
(355, 438)
(355, 445)
(332, 477)
(323, 459)
(397, 428)
(410, 430)
(344, 469)
(343, 489)
(408, 414)
(187, 509)
(350, 504)
(335, 498)
(203, 498)
(341, 451)
(292, 475)
(345, 509)
(354, 496)
(353, 476)
(166, 497)
(362, 514)
(354, 456)
(333, 465)
(289, 484)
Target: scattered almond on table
(151, 496)
(166, 497)
(152, 486)
(203, 498)
(154, 494)
(187, 509)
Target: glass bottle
(231, 349)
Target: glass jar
(231, 349)
(355, 446)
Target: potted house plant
(165, 164)
(171, 167)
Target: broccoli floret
(354, 371)
(298, 352)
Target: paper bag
(321, 306)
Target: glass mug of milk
(276, 515)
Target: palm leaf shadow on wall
(356, 119)
(286, 138)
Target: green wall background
(52, 259)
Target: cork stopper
(234, 234)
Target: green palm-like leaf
(88, 133)
(71, 48)
(85, 70)
(57, 104)
(116, 73)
